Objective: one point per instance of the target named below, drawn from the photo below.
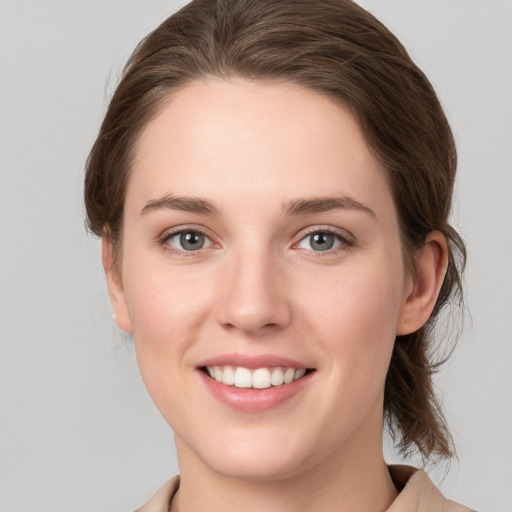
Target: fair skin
(293, 252)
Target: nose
(254, 297)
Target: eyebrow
(324, 204)
(294, 207)
(186, 204)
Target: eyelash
(182, 253)
(344, 242)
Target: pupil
(192, 241)
(322, 241)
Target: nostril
(251, 325)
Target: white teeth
(228, 375)
(243, 378)
(299, 373)
(277, 377)
(260, 378)
(288, 375)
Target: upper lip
(253, 361)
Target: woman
(272, 183)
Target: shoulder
(161, 500)
(418, 493)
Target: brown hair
(338, 49)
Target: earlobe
(115, 284)
(430, 264)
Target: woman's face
(261, 244)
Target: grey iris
(192, 240)
(322, 241)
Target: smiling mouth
(259, 378)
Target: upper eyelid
(170, 232)
(342, 233)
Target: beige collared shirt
(417, 494)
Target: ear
(430, 264)
(115, 284)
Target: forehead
(255, 139)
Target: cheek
(356, 316)
(167, 308)
(165, 304)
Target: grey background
(77, 430)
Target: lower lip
(254, 400)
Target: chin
(258, 468)
(257, 455)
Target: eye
(188, 240)
(321, 241)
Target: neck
(356, 479)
